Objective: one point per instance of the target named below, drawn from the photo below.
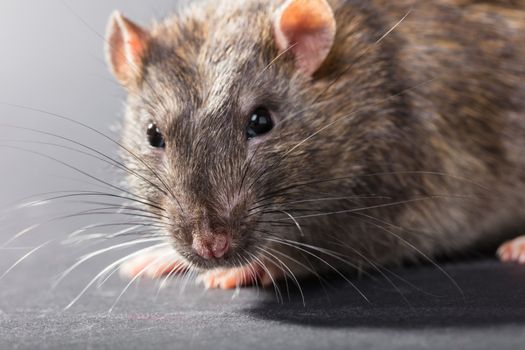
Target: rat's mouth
(227, 261)
(230, 255)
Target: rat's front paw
(240, 277)
(513, 250)
(154, 264)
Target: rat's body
(384, 148)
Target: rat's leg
(513, 250)
(243, 276)
(154, 264)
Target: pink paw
(513, 250)
(238, 277)
(155, 264)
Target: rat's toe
(228, 279)
(238, 277)
(513, 250)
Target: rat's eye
(260, 122)
(154, 136)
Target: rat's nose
(211, 245)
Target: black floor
(425, 310)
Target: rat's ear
(126, 45)
(306, 28)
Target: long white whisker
(263, 251)
(99, 252)
(309, 269)
(177, 267)
(275, 286)
(276, 59)
(191, 272)
(352, 113)
(19, 261)
(385, 205)
(136, 277)
(109, 268)
(323, 261)
(253, 273)
(20, 234)
(394, 27)
(425, 256)
(294, 220)
(328, 252)
(72, 237)
(374, 266)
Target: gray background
(52, 60)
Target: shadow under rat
(489, 294)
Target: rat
(286, 139)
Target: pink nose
(211, 246)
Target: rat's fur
(402, 149)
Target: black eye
(260, 123)
(155, 137)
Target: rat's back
(467, 59)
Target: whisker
(295, 221)
(281, 54)
(408, 201)
(109, 268)
(425, 256)
(364, 53)
(120, 208)
(253, 273)
(346, 116)
(375, 267)
(73, 194)
(275, 286)
(316, 101)
(296, 281)
(247, 168)
(64, 217)
(24, 257)
(176, 268)
(121, 146)
(279, 241)
(81, 230)
(113, 235)
(190, 274)
(94, 254)
(136, 277)
(74, 168)
(103, 157)
(309, 269)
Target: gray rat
(281, 139)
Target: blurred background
(52, 59)
(52, 62)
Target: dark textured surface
(426, 312)
(51, 60)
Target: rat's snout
(210, 245)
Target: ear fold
(306, 28)
(126, 45)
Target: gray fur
(433, 115)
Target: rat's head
(225, 108)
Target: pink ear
(126, 45)
(306, 28)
